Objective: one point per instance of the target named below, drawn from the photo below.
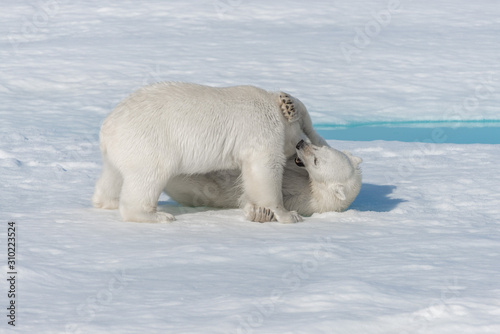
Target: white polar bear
(319, 179)
(167, 129)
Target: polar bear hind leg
(139, 197)
(108, 187)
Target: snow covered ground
(418, 252)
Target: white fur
(334, 180)
(170, 129)
(330, 181)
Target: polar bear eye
(315, 161)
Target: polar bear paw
(288, 108)
(109, 204)
(164, 217)
(263, 215)
(260, 215)
(288, 217)
(147, 217)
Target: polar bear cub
(319, 179)
(168, 129)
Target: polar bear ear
(355, 160)
(339, 192)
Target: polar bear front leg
(262, 178)
(139, 198)
(296, 111)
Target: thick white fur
(170, 129)
(330, 181)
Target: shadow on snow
(374, 197)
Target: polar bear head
(335, 177)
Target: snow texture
(418, 251)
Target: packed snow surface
(417, 252)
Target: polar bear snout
(300, 147)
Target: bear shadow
(374, 197)
(175, 208)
